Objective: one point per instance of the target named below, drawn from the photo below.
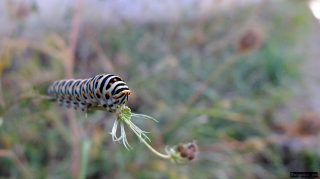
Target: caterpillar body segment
(105, 90)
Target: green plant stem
(100, 108)
(151, 148)
(85, 149)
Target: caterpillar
(105, 90)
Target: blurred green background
(222, 80)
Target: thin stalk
(152, 149)
(85, 149)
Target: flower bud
(180, 148)
(191, 156)
(192, 146)
(183, 152)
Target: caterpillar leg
(74, 105)
(108, 108)
(60, 102)
(83, 106)
(67, 103)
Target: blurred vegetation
(198, 78)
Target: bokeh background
(240, 77)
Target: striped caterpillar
(105, 90)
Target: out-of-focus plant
(207, 80)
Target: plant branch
(19, 99)
(195, 95)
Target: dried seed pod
(308, 124)
(251, 39)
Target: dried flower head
(183, 152)
(251, 39)
(308, 124)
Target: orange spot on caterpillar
(78, 97)
(98, 80)
(127, 92)
(98, 92)
(110, 84)
(114, 79)
(91, 94)
(84, 94)
(70, 97)
(62, 96)
(108, 92)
